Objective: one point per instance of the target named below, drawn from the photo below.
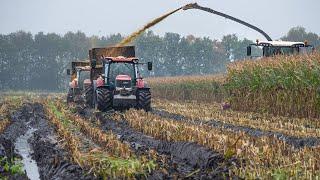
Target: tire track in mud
(296, 142)
(51, 159)
(180, 159)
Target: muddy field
(34, 140)
(31, 137)
(181, 159)
(48, 139)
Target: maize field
(189, 88)
(281, 85)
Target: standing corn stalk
(283, 85)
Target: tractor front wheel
(144, 100)
(104, 99)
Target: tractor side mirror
(93, 63)
(249, 51)
(149, 66)
(68, 71)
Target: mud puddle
(22, 147)
(296, 142)
(179, 159)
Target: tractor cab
(120, 71)
(273, 48)
(83, 75)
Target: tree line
(39, 62)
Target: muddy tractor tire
(144, 100)
(103, 99)
(70, 96)
(88, 96)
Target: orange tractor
(80, 70)
(115, 80)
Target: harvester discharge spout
(196, 6)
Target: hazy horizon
(103, 18)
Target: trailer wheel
(144, 100)
(88, 96)
(70, 96)
(104, 99)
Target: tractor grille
(123, 83)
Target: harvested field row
(108, 141)
(103, 161)
(261, 157)
(297, 142)
(53, 160)
(7, 106)
(213, 112)
(11, 166)
(174, 159)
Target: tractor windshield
(121, 69)
(279, 50)
(82, 76)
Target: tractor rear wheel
(144, 100)
(104, 99)
(88, 96)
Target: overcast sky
(104, 17)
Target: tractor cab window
(82, 76)
(305, 50)
(256, 51)
(121, 69)
(279, 50)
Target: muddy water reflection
(22, 147)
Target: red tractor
(116, 81)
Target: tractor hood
(123, 78)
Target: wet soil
(7, 151)
(22, 147)
(296, 142)
(52, 161)
(179, 159)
